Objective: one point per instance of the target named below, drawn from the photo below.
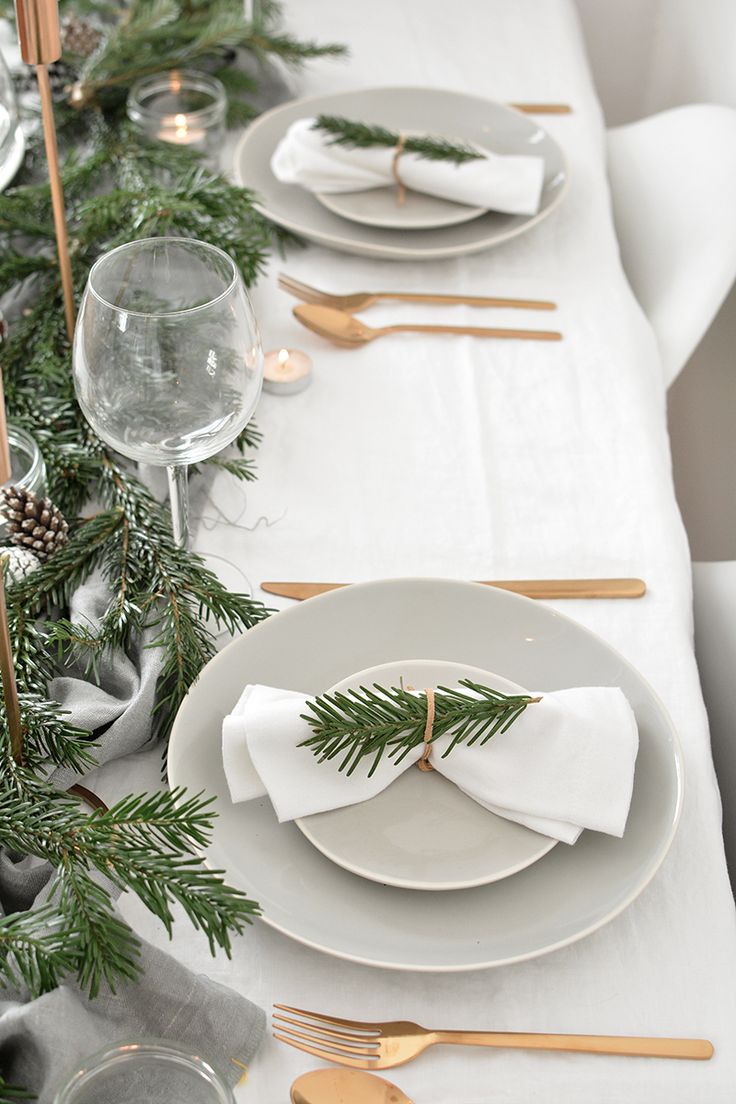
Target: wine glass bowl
(167, 355)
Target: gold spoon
(344, 329)
(343, 1086)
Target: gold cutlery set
(331, 316)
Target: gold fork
(384, 1045)
(360, 299)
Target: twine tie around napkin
(395, 168)
(424, 763)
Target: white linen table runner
(482, 459)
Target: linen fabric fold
(566, 764)
(498, 182)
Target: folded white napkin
(567, 763)
(508, 183)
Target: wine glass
(167, 356)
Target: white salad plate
(565, 896)
(423, 832)
(380, 207)
(454, 114)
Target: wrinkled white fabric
(306, 156)
(474, 459)
(567, 763)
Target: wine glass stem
(179, 501)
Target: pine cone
(78, 37)
(33, 523)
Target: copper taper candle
(40, 44)
(7, 667)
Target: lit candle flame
(283, 356)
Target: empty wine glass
(167, 356)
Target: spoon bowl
(345, 1086)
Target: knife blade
(531, 588)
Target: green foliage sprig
(367, 723)
(356, 135)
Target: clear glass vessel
(167, 356)
(156, 1072)
(27, 468)
(184, 107)
(11, 135)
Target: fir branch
(158, 35)
(356, 135)
(378, 721)
(35, 951)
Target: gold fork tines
(383, 1045)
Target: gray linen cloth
(42, 1040)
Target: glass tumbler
(156, 1072)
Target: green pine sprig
(356, 135)
(371, 723)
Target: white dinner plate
(380, 207)
(571, 892)
(423, 832)
(471, 118)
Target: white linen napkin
(567, 763)
(510, 183)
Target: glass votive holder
(27, 468)
(157, 1072)
(183, 107)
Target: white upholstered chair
(673, 189)
(673, 186)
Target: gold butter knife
(531, 588)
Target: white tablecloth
(478, 460)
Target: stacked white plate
(512, 897)
(371, 222)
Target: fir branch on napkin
(356, 135)
(373, 722)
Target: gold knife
(543, 108)
(532, 588)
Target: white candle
(286, 371)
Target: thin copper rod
(57, 196)
(10, 690)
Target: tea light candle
(184, 107)
(286, 371)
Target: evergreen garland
(117, 188)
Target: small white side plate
(381, 207)
(422, 832)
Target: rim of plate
(398, 252)
(432, 968)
